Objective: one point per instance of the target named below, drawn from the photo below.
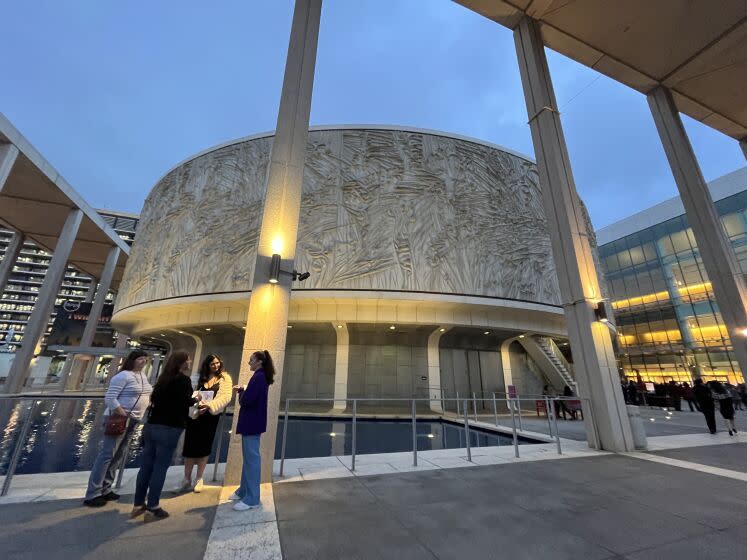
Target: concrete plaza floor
(684, 498)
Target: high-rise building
(23, 285)
(668, 321)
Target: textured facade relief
(381, 210)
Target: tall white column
(8, 155)
(97, 306)
(9, 259)
(44, 303)
(434, 369)
(267, 319)
(714, 247)
(121, 344)
(594, 358)
(341, 365)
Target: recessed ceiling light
(208, 329)
(521, 336)
(392, 327)
(339, 326)
(442, 330)
(431, 436)
(332, 434)
(162, 334)
(486, 332)
(180, 332)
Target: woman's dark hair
(171, 370)
(264, 357)
(205, 370)
(717, 387)
(129, 362)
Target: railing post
(557, 433)
(495, 411)
(355, 407)
(547, 413)
(125, 456)
(218, 446)
(285, 436)
(414, 436)
(17, 449)
(457, 404)
(466, 431)
(474, 406)
(518, 409)
(513, 427)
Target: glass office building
(668, 322)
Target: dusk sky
(115, 94)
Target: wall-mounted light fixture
(600, 312)
(275, 271)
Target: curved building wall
(382, 210)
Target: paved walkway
(685, 498)
(592, 508)
(65, 530)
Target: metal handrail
(513, 406)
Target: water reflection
(66, 435)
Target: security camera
(300, 276)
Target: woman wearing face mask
(169, 410)
(200, 433)
(127, 396)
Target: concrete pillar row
(267, 318)
(342, 360)
(39, 318)
(595, 364)
(714, 246)
(9, 259)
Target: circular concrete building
(429, 256)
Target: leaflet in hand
(207, 396)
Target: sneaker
(234, 497)
(137, 511)
(155, 514)
(241, 506)
(96, 502)
(183, 486)
(110, 496)
(731, 433)
(199, 485)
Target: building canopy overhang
(35, 200)
(696, 48)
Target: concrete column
(98, 304)
(44, 303)
(267, 319)
(508, 378)
(434, 368)
(714, 247)
(743, 145)
(120, 345)
(9, 259)
(595, 365)
(341, 365)
(8, 155)
(155, 366)
(91, 292)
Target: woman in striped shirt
(128, 395)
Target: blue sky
(114, 94)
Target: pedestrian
(742, 390)
(725, 404)
(251, 425)
(169, 410)
(705, 403)
(200, 432)
(689, 396)
(633, 392)
(734, 394)
(126, 399)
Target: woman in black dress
(198, 439)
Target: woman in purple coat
(251, 425)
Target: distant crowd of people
(172, 408)
(703, 397)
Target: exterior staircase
(550, 360)
(553, 353)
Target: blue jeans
(108, 461)
(251, 471)
(160, 444)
